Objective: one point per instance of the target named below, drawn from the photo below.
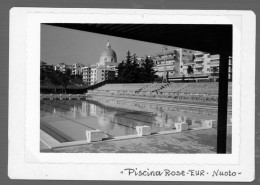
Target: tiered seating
(204, 88)
(210, 88)
(173, 87)
(199, 92)
(201, 88)
(132, 87)
(154, 87)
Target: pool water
(68, 120)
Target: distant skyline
(73, 46)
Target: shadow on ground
(203, 141)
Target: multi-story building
(176, 63)
(62, 67)
(86, 75)
(199, 64)
(100, 74)
(206, 66)
(172, 62)
(214, 66)
(77, 69)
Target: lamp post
(164, 80)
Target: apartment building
(103, 70)
(175, 63)
(62, 67)
(77, 69)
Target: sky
(72, 46)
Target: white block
(210, 123)
(61, 97)
(94, 135)
(143, 130)
(181, 126)
(51, 96)
(69, 96)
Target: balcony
(166, 59)
(213, 64)
(198, 59)
(164, 65)
(214, 57)
(198, 53)
(188, 63)
(199, 66)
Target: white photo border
(54, 164)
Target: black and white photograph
(120, 94)
(131, 88)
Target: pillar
(222, 103)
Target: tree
(120, 71)
(68, 72)
(130, 71)
(214, 72)
(133, 75)
(42, 75)
(64, 79)
(125, 68)
(77, 79)
(190, 70)
(147, 73)
(54, 78)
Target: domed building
(105, 69)
(108, 57)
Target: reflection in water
(74, 112)
(117, 117)
(106, 124)
(105, 120)
(84, 108)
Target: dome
(108, 55)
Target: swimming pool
(68, 120)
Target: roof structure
(208, 38)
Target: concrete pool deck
(200, 141)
